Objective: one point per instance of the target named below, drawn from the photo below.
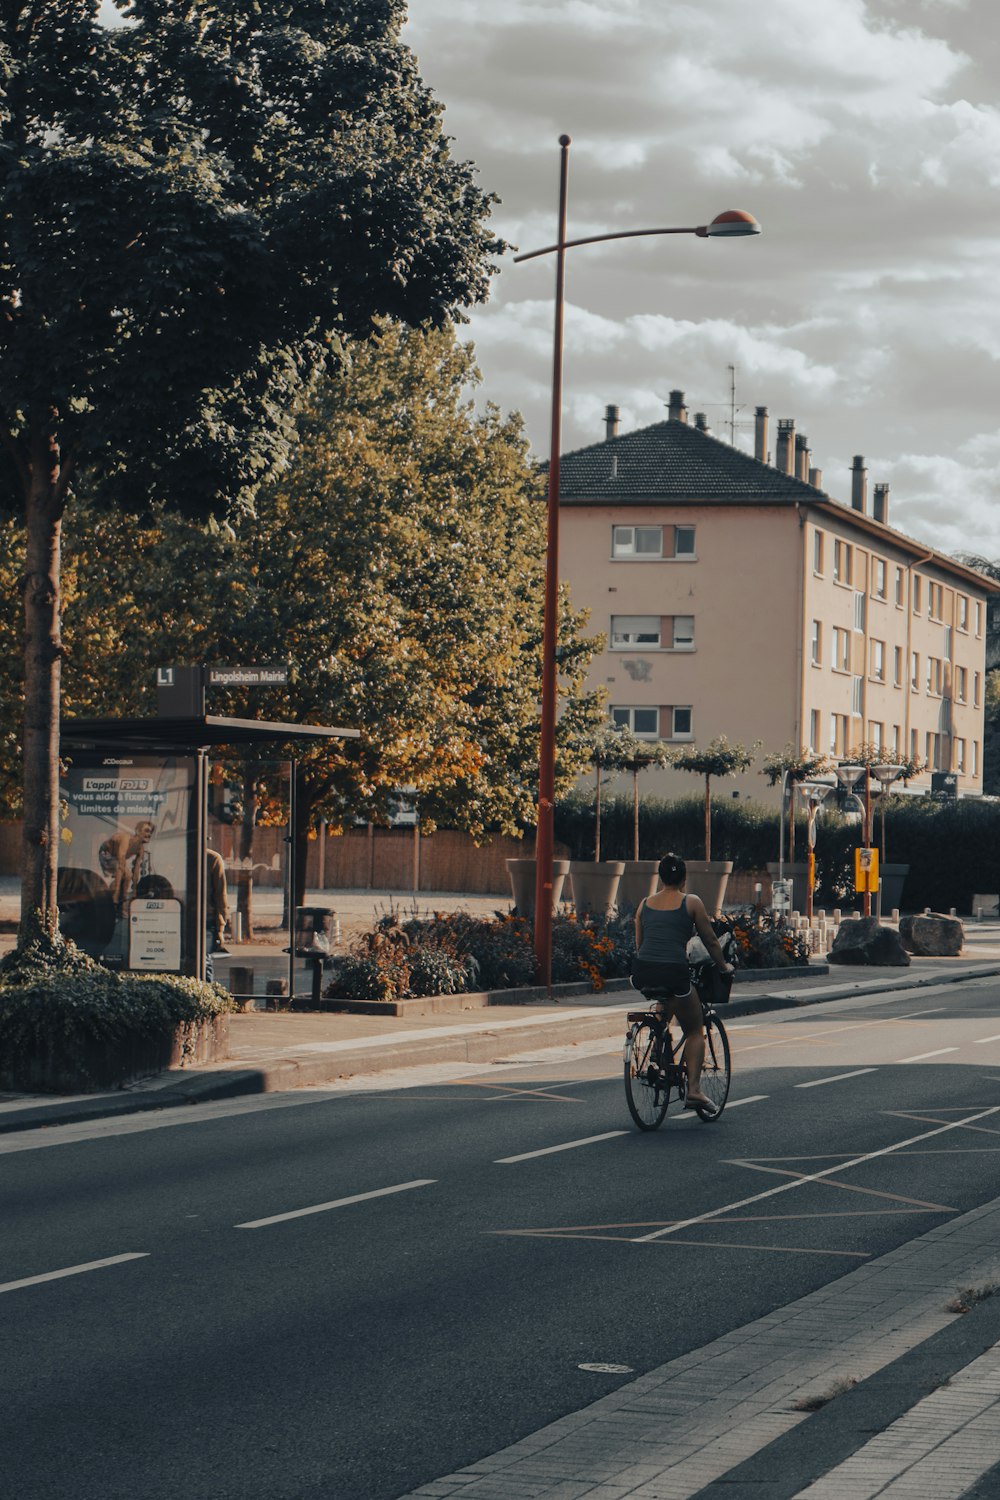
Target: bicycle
(654, 1062)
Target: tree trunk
(708, 817)
(42, 664)
(597, 814)
(791, 822)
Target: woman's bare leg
(688, 1013)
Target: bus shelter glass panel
(247, 877)
(124, 858)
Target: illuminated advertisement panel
(123, 858)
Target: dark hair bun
(672, 870)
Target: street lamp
(885, 774)
(813, 790)
(734, 222)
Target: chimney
(786, 445)
(802, 458)
(760, 435)
(701, 421)
(859, 484)
(880, 504)
(816, 478)
(612, 416)
(677, 411)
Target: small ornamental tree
(798, 765)
(638, 755)
(718, 758)
(614, 748)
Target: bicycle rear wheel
(647, 1094)
(717, 1071)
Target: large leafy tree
(197, 207)
(396, 566)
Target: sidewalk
(271, 1051)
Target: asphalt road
(345, 1293)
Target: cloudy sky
(863, 134)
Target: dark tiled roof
(672, 461)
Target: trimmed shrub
(67, 1024)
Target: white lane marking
(589, 1140)
(90, 1265)
(322, 1208)
(816, 1083)
(843, 1166)
(921, 1055)
(979, 1040)
(750, 1099)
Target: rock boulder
(932, 935)
(865, 941)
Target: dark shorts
(674, 979)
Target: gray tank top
(665, 934)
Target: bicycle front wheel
(646, 1092)
(717, 1072)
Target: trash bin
(317, 930)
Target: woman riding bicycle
(664, 924)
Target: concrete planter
(595, 885)
(708, 879)
(639, 880)
(892, 879)
(798, 874)
(522, 883)
(95, 1066)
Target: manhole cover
(607, 1369)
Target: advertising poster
(124, 853)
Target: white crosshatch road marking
(322, 1208)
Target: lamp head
(887, 773)
(735, 221)
(849, 773)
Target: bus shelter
(133, 889)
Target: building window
(878, 578)
(876, 734)
(897, 741)
(857, 695)
(838, 734)
(860, 611)
(976, 689)
(914, 750)
(934, 676)
(897, 666)
(637, 541)
(947, 643)
(841, 650)
(975, 757)
(684, 541)
(817, 643)
(900, 588)
(814, 731)
(643, 722)
(818, 552)
(917, 592)
(634, 630)
(878, 660)
(683, 636)
(960, 755)
(915, 671)
(963, 613)
(979, 619)
(961, 684)
(935, 601)
(932, 742)
(842, 562)
(681, 723)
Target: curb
(479, 1043)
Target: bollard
(275, 990)
(895, 915)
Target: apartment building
(738, 598)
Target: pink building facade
(736, 597)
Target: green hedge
(951, 846)
(69, 1024)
